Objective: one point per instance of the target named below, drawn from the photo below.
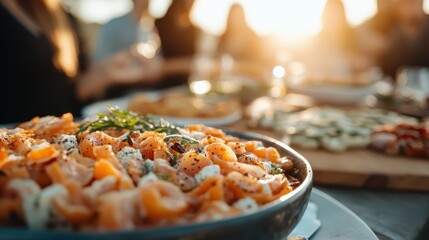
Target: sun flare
(288, 19)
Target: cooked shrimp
(209, 140)
(13, 167)
(220, 151)
(206, 130)
(227, 167)
(209, 190)
(50, 127)
(66, 168)
(90, 194)
(19, 142)
(243, 186)
(162, 200)
(135, 170)
(42, 154)
(71, 206)
(268, 153)
(237, 147)
(162, 168)
(192, 162)
(252, 159)
(105, 152)
(117, 210)
(92, 140)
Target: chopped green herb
(163, 177)
(124, 119)
(173, 158)
(184, 140)
(276, 169)
(148, 167)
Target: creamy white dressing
(126, 154)
(207, 172)
(148, 178)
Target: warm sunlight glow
(286, 18)
(147, 50)
(289, 19)
(200, 87)
(359, 11)
(279, 72)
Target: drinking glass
(214, 75)
(412, 84)
(148, 42)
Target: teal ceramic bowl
(273, 221)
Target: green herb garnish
(275, 169)
(148, 167)
(173, 158)
(124, 119)
(184, 140)
(164, 177)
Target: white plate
(337, 221)
(334, 94)
(94, 108)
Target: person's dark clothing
(31, 84)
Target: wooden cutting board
(365, 168)
(361, 168)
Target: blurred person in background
(44, 69)
(336, 33)
(333, 54)
(408, 42)
(373, 34)
(241, 43)
(179, 41)
(122, 32)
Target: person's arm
(92, 84)
(122, 68)
(179, 65)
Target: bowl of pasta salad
(127, 176)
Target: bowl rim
(173, 230)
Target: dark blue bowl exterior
(274, 221)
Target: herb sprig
(124, 119)
(184, 140)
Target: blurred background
(291, 21)
(368, 52)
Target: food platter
(274, 219)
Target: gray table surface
(395, 215)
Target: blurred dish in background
(178, 108)
(331, 129)
(408, 139)
(409, 96)
(183, 105)
(341, 95)
(332, 88)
